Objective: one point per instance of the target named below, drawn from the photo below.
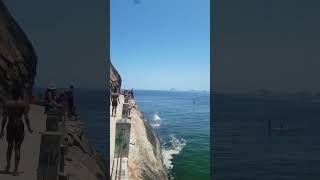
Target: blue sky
(161, 44)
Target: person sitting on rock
(13, 112)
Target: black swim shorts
(15, 132)
(114, 103)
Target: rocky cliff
(145, 160)
(115, 78)
(81, 162)
(18, 63)
(18, 59)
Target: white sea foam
(155, 123)
(173, 147)
(156, 117)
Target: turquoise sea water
(182, 122)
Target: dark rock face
(115, 78)
(17, 57)
(82, 162)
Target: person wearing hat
(51, 98)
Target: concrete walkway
(113, 121)
(29, 150)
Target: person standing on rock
(63, 101)
(114, 101)
(51, 98)
(131, 93)
(71, 101)
(13, 112)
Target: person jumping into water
(13, 112)
(114, 101)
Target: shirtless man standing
(13, 112)
(114, 101)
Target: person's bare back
(14, 111)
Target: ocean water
(183, 127)
(243, 149)
(91, 106)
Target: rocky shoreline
(145, 159)
(81, 161)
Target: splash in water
(155, 123)
(173, 147)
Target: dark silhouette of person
(114, 101)
(131, 93)
(13, 111)
(70, 97)
(51, 98)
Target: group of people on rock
(114, 98)
(128, 93)
(63, 101)
(17, 107)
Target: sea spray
(156, 117)
(178, 117)
(156, 121)
(173, 147)
(169, 148)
